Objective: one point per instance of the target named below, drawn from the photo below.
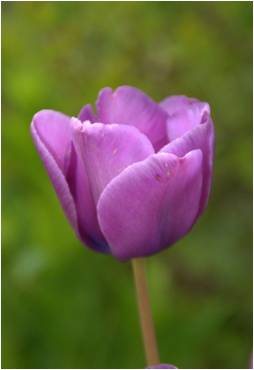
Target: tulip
(162, 366)
(134, 177)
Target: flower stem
(145, 314)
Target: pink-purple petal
(55, 132)
(89, 230)
(200, 137)
(55, 172)
(130, 106)
(184, 114)
(52, 135)
(87, 114)
(107, 150)
(151, 204)
(174, 103)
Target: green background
(65, 306)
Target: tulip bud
(134, 177)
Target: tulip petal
(53, 156)
(54, 130)
(88, 226)
(130, 106)
(184, 114)
(107, 150)
(52, 134)
(174, 103)
(200, 137)
(87, 114)
(151, 204)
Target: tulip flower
(132, 178)
(162, 366)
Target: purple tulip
(162, 366)
(134, 177)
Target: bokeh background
(64, 306)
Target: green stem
(145, 314)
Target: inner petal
(184, 114)
(88, 226)
(107, 150)
(130, 106)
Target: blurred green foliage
(65, 306)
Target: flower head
(162, 366)
(134, 177)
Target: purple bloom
(134, 177)
(162, 366)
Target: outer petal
(87, 114)
(107, 150)
(184, 114)
(200, 137)
(130, 106)
(151, 204)
(53, 155)
(54, 130)
(52, 134)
